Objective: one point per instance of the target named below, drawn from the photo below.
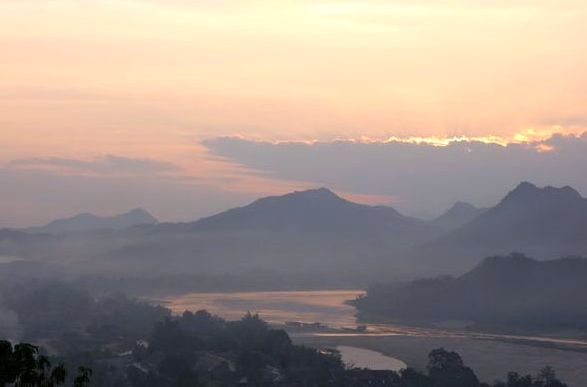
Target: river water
(365, 358)
(327, 307)
(491, 355)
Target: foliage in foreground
(129, 343)
(203, 350)
(22, 365)
(447, 369)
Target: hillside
(318, 210)
(309, 231)
(514, 291)
(528, 216)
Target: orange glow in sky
(153, 78)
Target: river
(365, 358)
(491, 355)
(327, 307)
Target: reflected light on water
(324, 306)
(364, 358)
(327, 307)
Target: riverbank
(491, 355)
(490, 359)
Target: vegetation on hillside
(512, 291)
(130, 343)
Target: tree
(22, 366)
(548, 378)
(446, 369)
(83, 377)
(409, 377)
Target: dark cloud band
(424, 177)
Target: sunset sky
(187, 107)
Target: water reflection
(364, 358)
(325, 306)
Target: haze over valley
(326, 193)
(314, 238)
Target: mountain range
(315, 231)
(542, 221)
(90, 222)
(318, 211)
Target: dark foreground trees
(199, 349)
(546, 378)
(21, 365)
(203, 350)
(247, 353)
(447, 369)
(123, 347)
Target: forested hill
(513, 290)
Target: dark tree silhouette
(21, 365)
(446, 369)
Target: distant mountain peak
(319, 210)
(512, 258)
(528, 191)
(566, 192)
(317, 196)
(529, 217)
(321, 193)
(88, 222)
(526, 185)
(140, 212)
(462, 206)
(457, 215)
(522, 190)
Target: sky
(190, 107)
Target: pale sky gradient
(113, 83)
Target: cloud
(109, 164)
(424, 177)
